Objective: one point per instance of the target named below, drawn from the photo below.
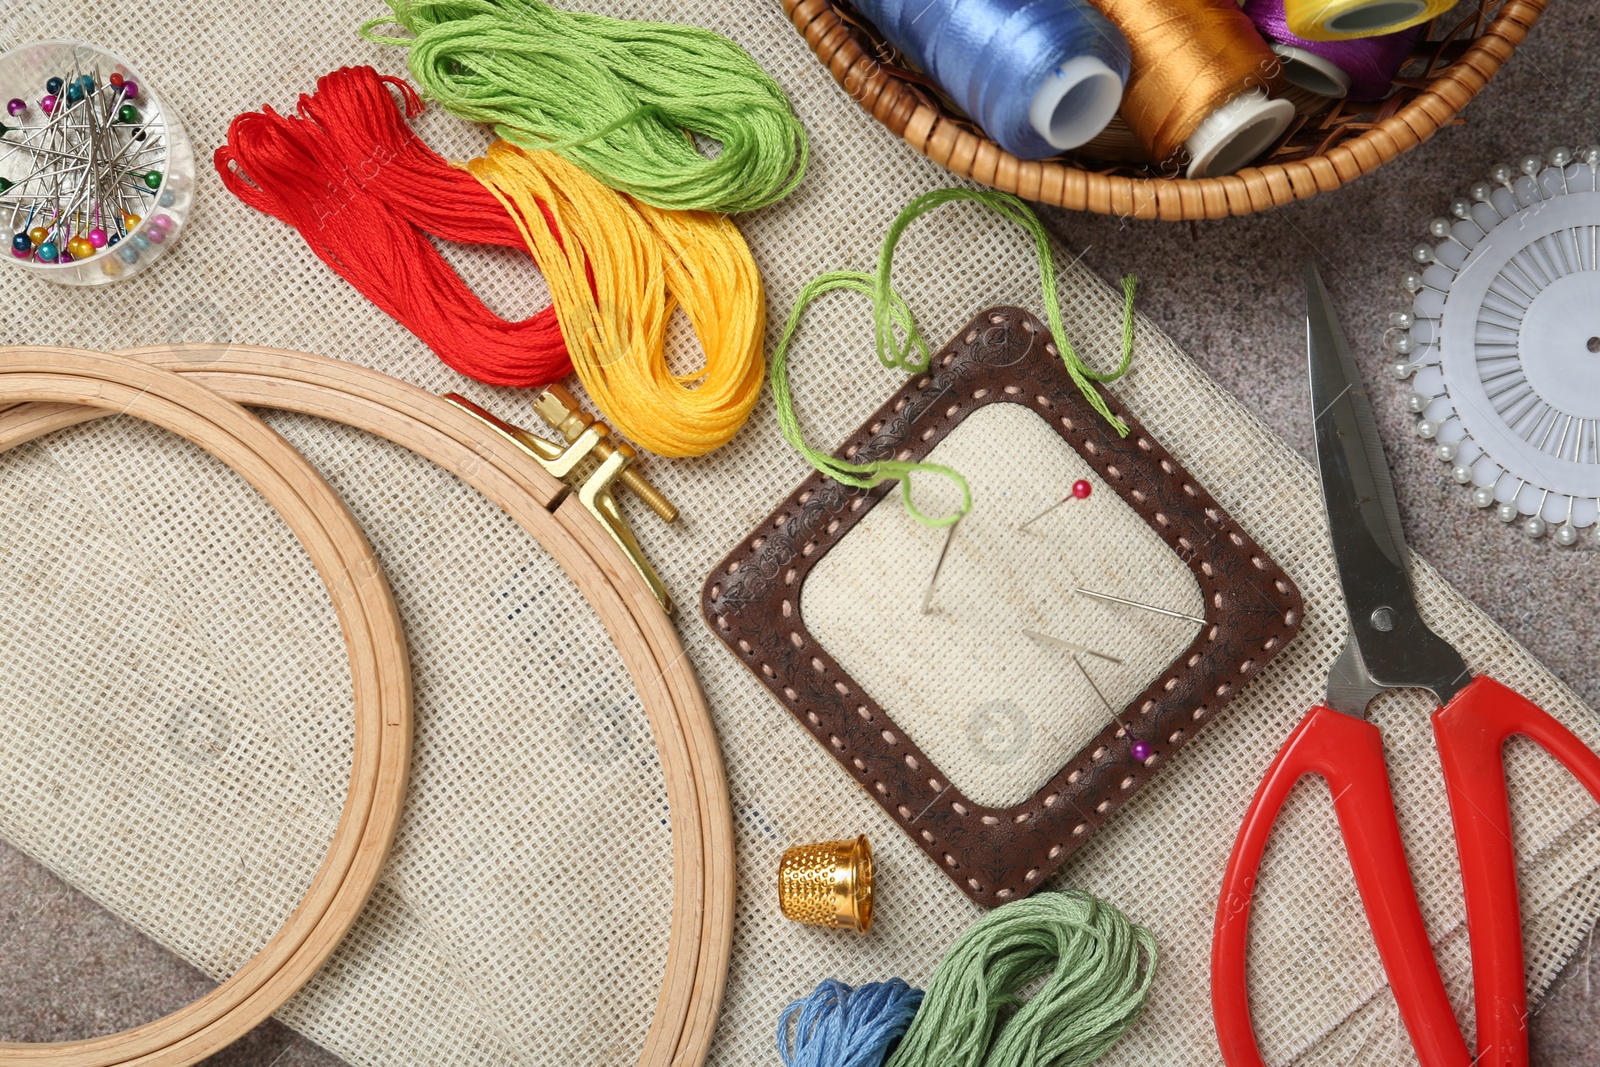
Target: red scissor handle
(1348, 753)
(1471, 731)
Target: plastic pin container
(104, 174)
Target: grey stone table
(1229, 293)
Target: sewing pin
(1056, 642)
(1136, 604)
(1139, 750)
(1080, 491)
(950, 535)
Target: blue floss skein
(1040, 76)
(841, 1027)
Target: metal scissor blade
(1369, 546)
(1349, 451)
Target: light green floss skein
(1097, 967)
(892, 321)
(619, 98)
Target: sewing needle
(1056, 642)
(950, 535)
(1076, 662)
(1143, 607)
(1139, 750)
(1135, 746)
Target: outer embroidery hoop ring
(90, 384)
(700, 943)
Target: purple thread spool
(1362, 68)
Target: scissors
(1389, 647)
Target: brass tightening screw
(560, 410)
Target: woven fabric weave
(176, 713)
(1001, 712)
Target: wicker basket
(1331, 143)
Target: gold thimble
(829, 884)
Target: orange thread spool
(1199, 85)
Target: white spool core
(1311, 72)
(1384, 16)
(1076, 102)
(1236, 133)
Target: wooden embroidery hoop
(90, 384)
(701, 814)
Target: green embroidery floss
(1097, 968)
(619, 98)
(900, 344)
(859, 475)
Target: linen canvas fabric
(1001, 711)
(176, 706)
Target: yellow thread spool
(1342, 20)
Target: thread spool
(1040, 76)
(1199, 83)
(1362, 69)
(1343, 20)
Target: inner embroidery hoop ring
(701, 814)
(91, 385)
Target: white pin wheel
(1500, 351)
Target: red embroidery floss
(348, 172)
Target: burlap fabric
(175, 707)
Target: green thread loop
(857, 475)
(900, 344)
(1097, 968)
(621, 98)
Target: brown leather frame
(752, 602)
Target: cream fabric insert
(996, 710)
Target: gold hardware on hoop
(586, 437)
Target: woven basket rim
(952, 144)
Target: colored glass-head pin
(1080, 491)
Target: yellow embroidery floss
(617, 273)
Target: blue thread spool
(1040, 76)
